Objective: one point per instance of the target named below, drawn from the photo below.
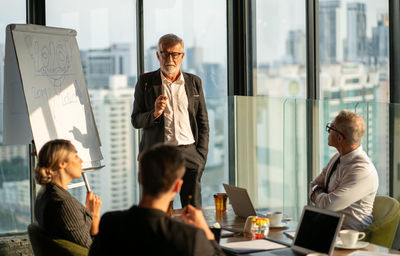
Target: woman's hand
(93, 205)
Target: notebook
(240, 201)
(316, 232)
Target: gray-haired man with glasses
(170, 108)
(348, 184)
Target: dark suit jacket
(144, 231)
(148, 88)
(62, 216)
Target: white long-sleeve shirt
(176, 115)
(351, 189)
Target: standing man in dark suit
(170, 107)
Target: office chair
(396, 241)
(44, 245)
(386, 216)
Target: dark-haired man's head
(159, 169)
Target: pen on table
(288, 235)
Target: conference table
(229, 220)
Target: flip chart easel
(45, 93)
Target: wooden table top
(230, 220)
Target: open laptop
(316, 232)
(240, 201)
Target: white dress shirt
(351, 189)
(176, 115)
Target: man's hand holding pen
(195, 217)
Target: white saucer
(280, 225)
(358, 245)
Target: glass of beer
(220, 202)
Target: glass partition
(271, 147)
(354, 73)
(271, 152)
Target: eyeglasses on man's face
(174, 55)
(329, 127)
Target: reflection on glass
(107, 43)
(202, 26)
(354, 73)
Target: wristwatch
(315, 187)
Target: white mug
(350, 237)
(275, 218)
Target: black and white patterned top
(62, 216)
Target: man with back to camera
(146, 229)
(348, 184)
(170, 107)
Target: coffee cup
(350, 237)
(275, 218)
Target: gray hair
(170, 40)
(352, 125)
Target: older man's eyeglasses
(174, 55)
(329, 128)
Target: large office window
(280, 54)
(276, 172)
(15, 212)
(107, 41)
(202, 26)
(354, 73)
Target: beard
(170, 69)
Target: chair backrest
(396, 240)
(44, 245)
(386, 216)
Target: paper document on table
(252, 246)
(366, 253)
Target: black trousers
(191, 187)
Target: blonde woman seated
(56, 210)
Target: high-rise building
(380, 41)
(295, 45)
(99, 64)
(10, 152)
(356, 47)
(211, 78)
(193, 59)
(330, 43)
(116, 183)
(151, 59)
